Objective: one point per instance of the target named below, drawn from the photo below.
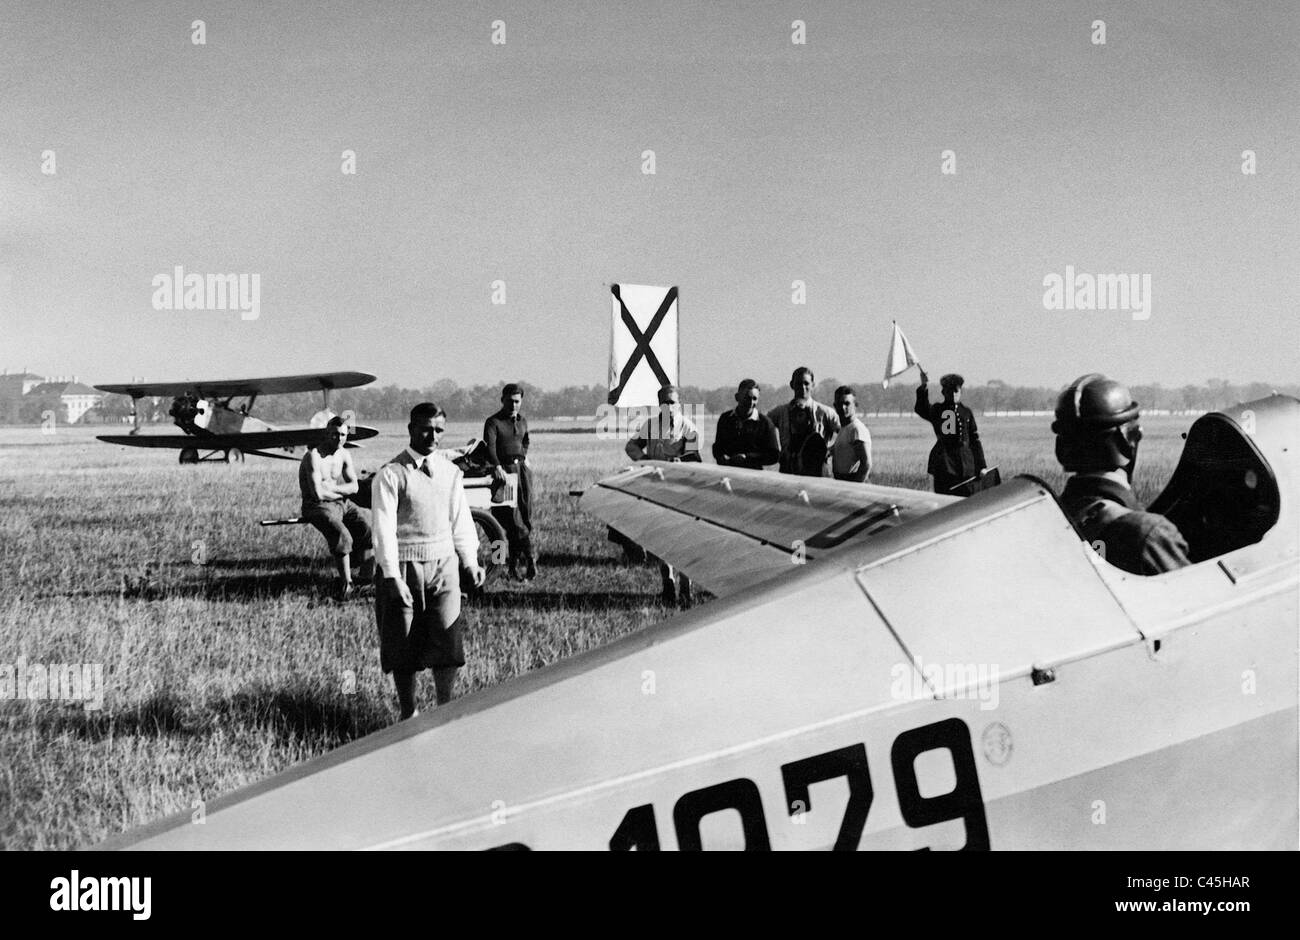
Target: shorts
(427, 635)
(344, 526)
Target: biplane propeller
(216, 429)
(882, 668)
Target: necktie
(425, 469)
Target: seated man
(327, 478)
(1097, 435)
(673, 437)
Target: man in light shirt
(851, 452)
(422, 526)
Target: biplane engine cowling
(190, 414)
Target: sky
(774, 162)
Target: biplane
(218, 429)
(882, 668)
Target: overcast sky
(774, 162)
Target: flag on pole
(901, 357)
(643, 344)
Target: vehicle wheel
(234, 455)
(189, 455)
(491, 549)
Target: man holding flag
(958, 454)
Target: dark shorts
(428, 635)
(344, 526)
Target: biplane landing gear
(234, 455)
(189, 455)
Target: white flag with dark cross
(643, 345)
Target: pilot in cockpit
(1097, 435)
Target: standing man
(506, 436)
(957, 454)
(422, 526)
(327, 478)
(673, 437)
(851, 452)
(1097, 435)
(806, 428)
(746, 437)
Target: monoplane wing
(230, 388)
(254, 440)
(729, 528)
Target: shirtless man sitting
(327, 478)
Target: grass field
(244, 667)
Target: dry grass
(243, 667)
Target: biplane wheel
(491, 549)
(189, 455)
(234, 455)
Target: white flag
(901, 358)
(643, 345)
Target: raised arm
(923, 402)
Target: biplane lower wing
(254, 440)
(729, 528)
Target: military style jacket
(957, 452)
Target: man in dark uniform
(957, 454)
(1097, 435)
(506, 437)
(746, 437)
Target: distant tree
(113, 408)
(34, 408)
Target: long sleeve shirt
(755, 436)
(506, 438)
(957, 450)
(420, 513)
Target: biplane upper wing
(253, 440)
(729, 528)
(230, 388)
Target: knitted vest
(423, 507)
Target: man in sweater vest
(422, 526)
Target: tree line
(476, 402)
